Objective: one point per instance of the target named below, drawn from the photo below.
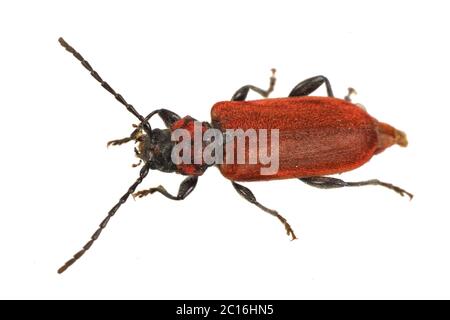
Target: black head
(156, 149)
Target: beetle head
(156, 148)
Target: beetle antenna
(143, 173)
(104, 84)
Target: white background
(58, 179)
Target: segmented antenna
(105, 85)
(143, 173)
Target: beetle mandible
(318, 136)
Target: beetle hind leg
(331, 183)
(241, 93)
(248, 195)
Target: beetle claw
(400, 191)
(290, 232)
(410, 195)
(287, 226)
(134, 165)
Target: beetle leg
(330, 183)
(133, 136)
(248, 195)
(134, 165)
(351, 92)
(186, 187)
(168, 117)
(308, 86)
(241, 94)
(118, 142)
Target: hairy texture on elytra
(317, 135)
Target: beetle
(318, 136)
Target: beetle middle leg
(248, 195)
(186, 187)
(241, 93)
(330, 183)
(308, 86)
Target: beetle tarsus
(399, 190)
(287, 226)
(143, 193)
(241, 93)
(136, 135)
(283, 220)
(186, 187)
(330, 183)
(351, 92)
(118, 142)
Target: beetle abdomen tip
(400, 138)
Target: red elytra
(317, 135)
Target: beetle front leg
(248, 195)
(241, 94)
(186, 187)
(308, 86)
(167, 116)
(330, 183)
(133, 136)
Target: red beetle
(315, 136)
